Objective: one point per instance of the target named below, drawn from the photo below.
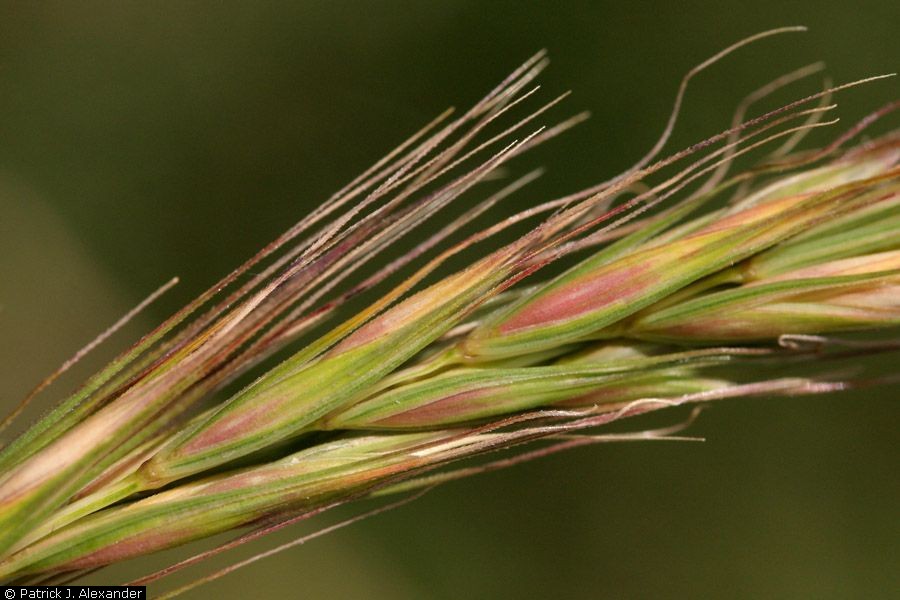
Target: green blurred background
(143, 140)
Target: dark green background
(142, 140)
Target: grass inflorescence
(720, 271)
